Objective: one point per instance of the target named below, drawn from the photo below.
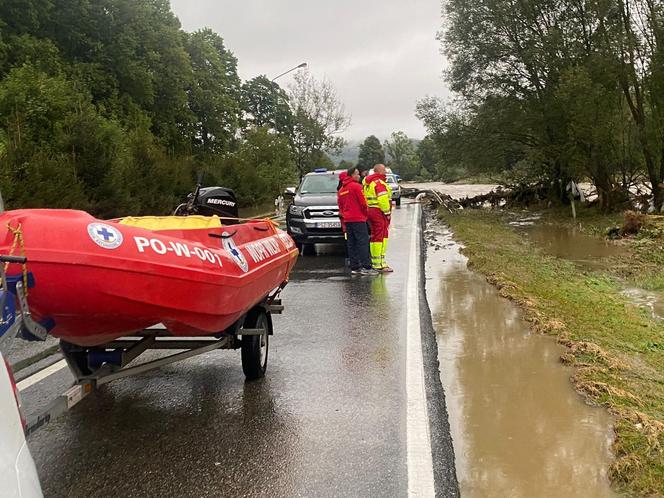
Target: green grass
(617, 349)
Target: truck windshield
(391, 179)
(319, 184)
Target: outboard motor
(210, 201)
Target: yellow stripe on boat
(171, 222)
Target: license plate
(328, 224)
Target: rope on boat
(18, 241)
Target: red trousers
(379, 225)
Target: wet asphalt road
(329, 419)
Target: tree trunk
(604, 185)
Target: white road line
(418, 440)
(41, 375)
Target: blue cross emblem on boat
(235, 253)
(104, 235)
(108, 236)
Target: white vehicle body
(18, 476)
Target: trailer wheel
(255, 347)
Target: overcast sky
(381, 55)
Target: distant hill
(350, 152)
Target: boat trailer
(93, 367)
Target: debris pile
(434, 198)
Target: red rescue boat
(96, 281)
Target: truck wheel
(255, 347)
(398, 201)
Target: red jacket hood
(375, 176)
(342, 176)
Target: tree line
(548, 91)
(411, 159)
(109, 106)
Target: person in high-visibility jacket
(379, 199)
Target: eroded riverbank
(518, 426)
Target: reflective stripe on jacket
(378, 193)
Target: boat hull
(100, 280)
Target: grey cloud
(381, 56)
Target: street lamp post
(275, 85)
(300, 66)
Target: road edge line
(418, 438)
(41, 375)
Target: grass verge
(616, 348)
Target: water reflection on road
(519, 428)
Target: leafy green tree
(24, 16)
(260, 169)
(214, 95)
(108, 106)
(402, 158)
(153, 182)
(41, 53)
(50, 124)
(272, 158)
(265, 103)
(508, 58)
(371, 153)
(131, 53)
(636, 31)
(431, 160)
(318, 119)
(594, 132)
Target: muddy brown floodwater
(587, 252)
(569, 243)
(453, 189)
(519, 428)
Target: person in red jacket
(342, 176)
(353, 211)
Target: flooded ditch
(519, 428)
(588, 252)
(568, 243)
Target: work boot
(369, 272)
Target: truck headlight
(296, 210)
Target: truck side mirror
(289, 192)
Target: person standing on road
(353, 210)
(379, 199)
(342, 177)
